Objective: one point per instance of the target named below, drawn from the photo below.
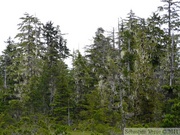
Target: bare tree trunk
(113, 39)
(120, 83)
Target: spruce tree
(56, 51)
(170, 19)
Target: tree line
(128, 78)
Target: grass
(82, 133)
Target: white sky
(79, 18)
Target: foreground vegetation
(127, 79)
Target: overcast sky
(79, 18)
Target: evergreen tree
(27, 53)
(170, 19)
(8, 56)
(56, 51)
(83, 84)
(61, 100)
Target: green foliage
(83, 133)
(172, 119)
(33, 124)
(128, 79)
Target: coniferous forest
(126, 78)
